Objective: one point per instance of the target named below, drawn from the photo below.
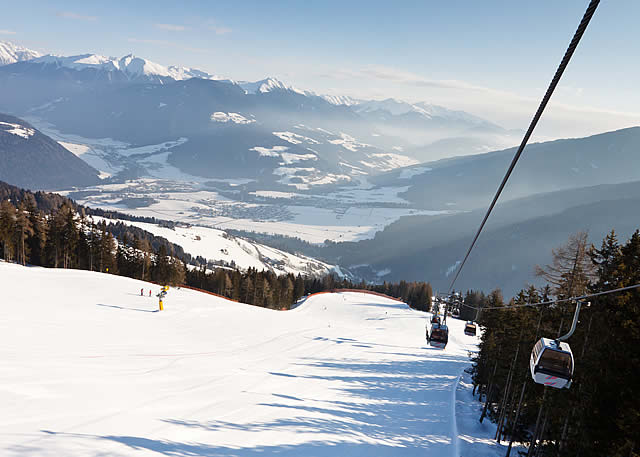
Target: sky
(493, 59)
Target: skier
(149, 292)
(142, 292)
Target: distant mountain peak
(267, 85)
(12, 53)
(340, 100)
(130, 65)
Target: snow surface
(90, 368)
(17, 129)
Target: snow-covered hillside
(218, 245)
(12, 53)
(90, 368)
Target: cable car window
(439, 334)
(536, 349)
(553, 361)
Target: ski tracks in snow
(342, 374)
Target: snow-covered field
(90, 369)
(309, 223)
(348, 215)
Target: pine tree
(7, 229)
(298, 288)
(37, 241)
(23, 230)
(70, 235)
(160, 267)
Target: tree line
(600, 413)
(50, 230)
(266, 289)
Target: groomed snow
(90, 368)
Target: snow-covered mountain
(12, 53)
(390, 107)
(266, 130)
(267, 85)
(131, 67)
(340, 100)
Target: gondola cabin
(551, 363)
(439, 336)
(470, 329)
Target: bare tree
(571, 269)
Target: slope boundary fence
(360, 291)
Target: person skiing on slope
(149, 292)
(142, 292)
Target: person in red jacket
(142, 292)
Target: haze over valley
(288, 166)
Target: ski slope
(89, 368)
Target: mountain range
(518, 236)
(268, 131)
(465, 183)
(12, 53)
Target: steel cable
(547, 96)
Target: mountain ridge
(30, 159)
(12, 53)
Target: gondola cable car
(470, 328)
(439, 335)
(551, 362)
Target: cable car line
(560, 300)
(547, 96)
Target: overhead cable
(551, 302)
(547, 96)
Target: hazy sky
(493, 59)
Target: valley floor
(89, 367)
